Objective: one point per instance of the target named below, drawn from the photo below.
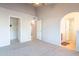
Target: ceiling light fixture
(37, 3)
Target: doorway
(69, 27)
(33, 30)
(14, 30)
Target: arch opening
(68, 28)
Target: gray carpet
(36, 48)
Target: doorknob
(10, 25)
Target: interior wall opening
(36, 29)
(69, 27)
(14, 30)
(33, 30)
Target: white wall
(51, 16)
(4, 29)
(25, 29)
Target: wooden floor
(36, 48)
(71, 45)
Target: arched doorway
(69, 27)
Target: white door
(13, 28)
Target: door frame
(19, 33)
